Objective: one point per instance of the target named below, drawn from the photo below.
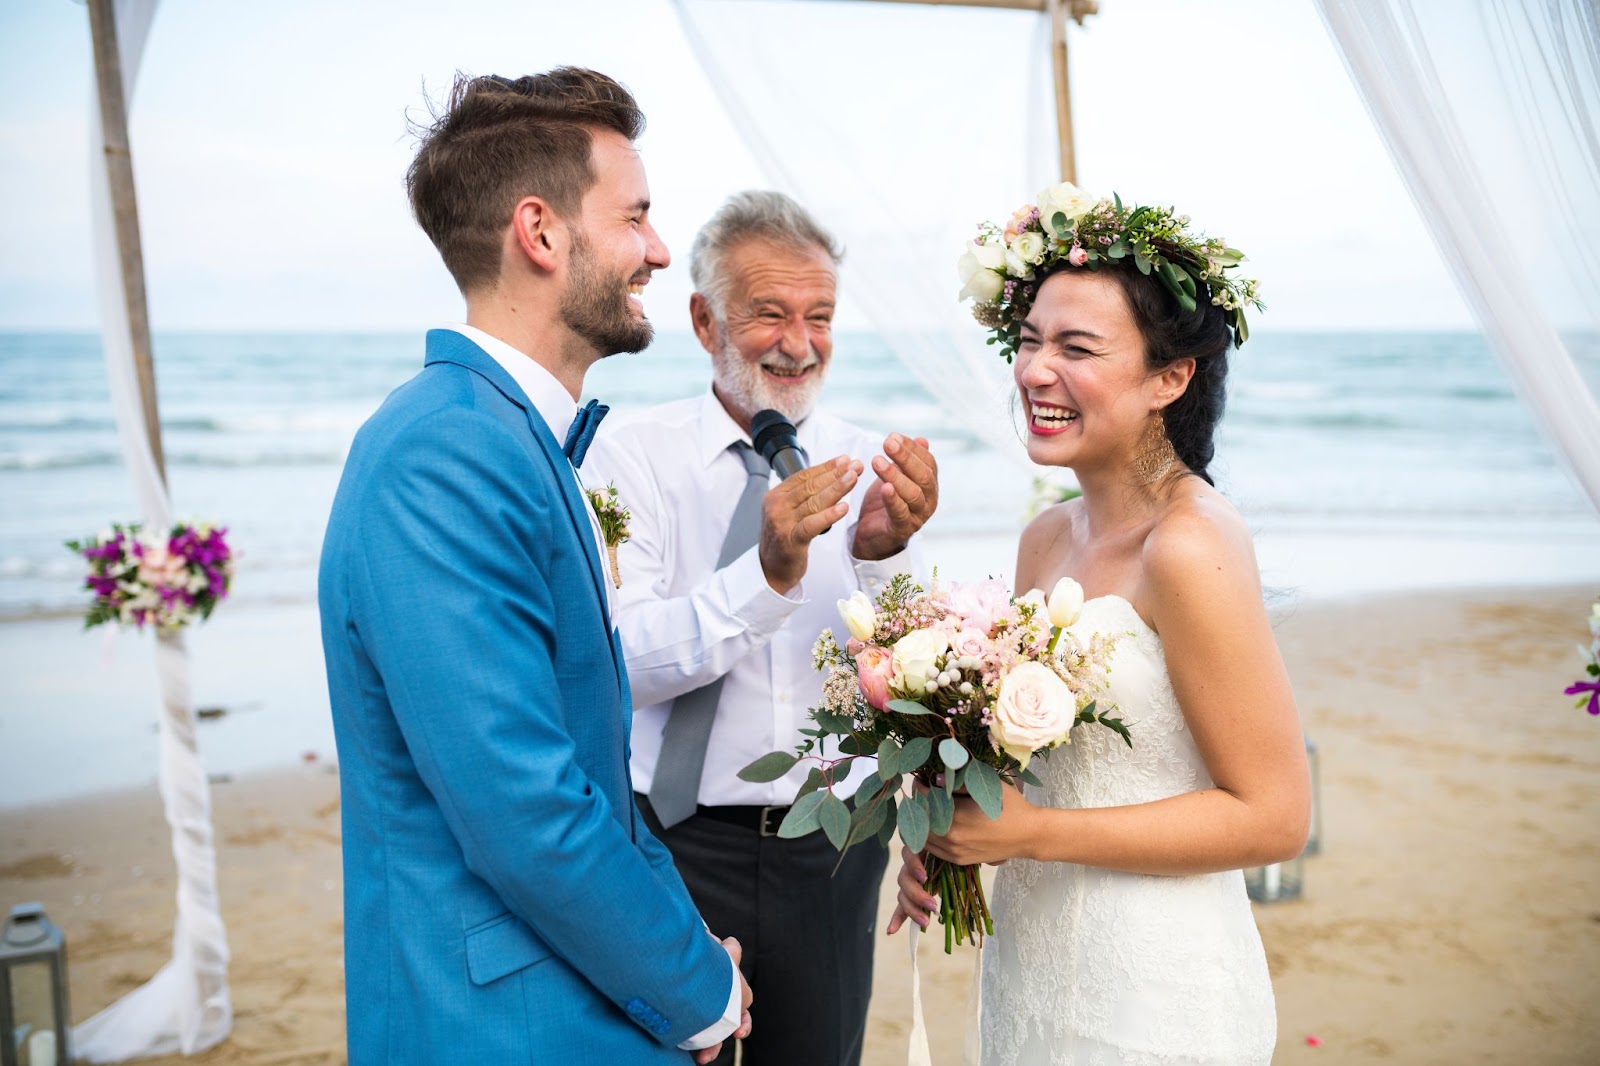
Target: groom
(504, 901)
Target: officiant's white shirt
(684, 622)
(557, 407)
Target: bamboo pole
(125, 211)
(1058, 67)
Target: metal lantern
(1278, 882)
(1314, 841)
(34, 1018)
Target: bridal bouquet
(166, 581)
(953, 689)
(1591, 687)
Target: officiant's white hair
(755, 214)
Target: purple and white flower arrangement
(166, 582)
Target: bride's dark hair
(1170, 333)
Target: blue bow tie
(581, 435)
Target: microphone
(774, 437)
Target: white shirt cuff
(873, 575)
(752, 600)
(723, 1027)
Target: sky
(270, 143)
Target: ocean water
(1413, 434)
(1363, 462)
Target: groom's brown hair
(499, 140)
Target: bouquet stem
(963, 910)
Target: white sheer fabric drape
(185, 1006)
(1491, 110)
(784, 71)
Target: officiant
(727, 579)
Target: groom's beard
(746, 386)
(595, 306)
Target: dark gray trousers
(807, 932)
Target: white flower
(1029, 246)
(915, 659)
(1033, 710)
(989, 256)
(859, 616)
(1066, 602)
(1064, 199)
(977, 281)
(1016, 266)
(1033, 596)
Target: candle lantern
(34, 1018)
(1314, 841)
(1278, 882)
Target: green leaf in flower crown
(868, 788)
(835, 819)
(914, 821)
(1186, 282)
(1241, 332)
(1142, 261)
(953, 753)
(913, 755)
(1117, 250)
(1058, 222)
(770, 767)
(1118, 201)
(983, 785)
(941, 810)
(908, 707)
(802, 817)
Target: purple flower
(1593, 689)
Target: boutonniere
(613, 525)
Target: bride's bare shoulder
(1199, 534)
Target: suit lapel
(448, 346)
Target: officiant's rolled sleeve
(874, 575)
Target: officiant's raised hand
(901, 501)
(796, 511)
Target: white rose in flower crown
(977, 281)
(859, 616)
(1029, 247)
(1066, 602)
(1016, 266)
(915, 659)
(989, 256)
(1034, 709)
(1065, 198)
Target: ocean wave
(79, 459)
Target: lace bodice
(1092, 967)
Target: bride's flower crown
(1001, 268)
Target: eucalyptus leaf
(983, 785)
(851, 745)
(1141, 261)
(1058, 221)
(835, 819)
(770, 767)
(833, 723)
(914, 821)
(914, 754)
(941, 810)
(1028, 777)
(1186, 301)
(953, 753)
(1117, 250)
(887, 751)
(814, 780)
(908, 707)
(868, 788)
(890, 822)
(867, 820)
(802, 817)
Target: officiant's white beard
(744, 384)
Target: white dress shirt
(684, 623)
(557, 407)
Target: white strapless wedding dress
(1091, 967)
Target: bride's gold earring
(1156, 455)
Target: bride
(1122, 931)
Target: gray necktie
(675, 790)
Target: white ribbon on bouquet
(918, 1053)
(185, 1007)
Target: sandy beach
(1453, 917)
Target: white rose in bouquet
(916, 660)
(1034, 709)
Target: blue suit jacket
(503, 900)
